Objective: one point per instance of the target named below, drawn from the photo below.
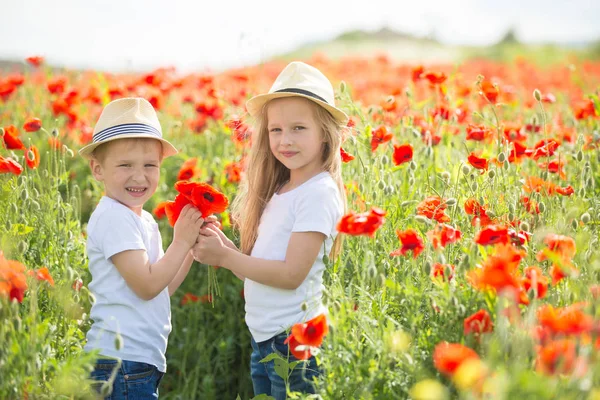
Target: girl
(288, 206)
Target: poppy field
(470, 266)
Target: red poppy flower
(188, 170)
(584, 109)
(346, 157)
(32, 125)
(362, 224)
(478, 132)
(444, 271)
(492, 234)
(562, 246)
(42, 274)
(189, 298)
(417, 73)
(478, 323)
(489, 91)
(298, 350)
(380, 136)
(35, 61)
(570, 320)
(11, 138)
(544, 148)
(10, 166)
(433, 207)
(160, 210)
(478, 162)
(13, 282)
(442, 235)
(559, 357)
(233, 171)
(534, 279)
(173, 208)
(447, 357)
(205, 198)
(32, 157)
(410, 241)
(435, 78)
(312, 332)
(402, 154)
(57, 85)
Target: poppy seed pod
(574, 224)
(537, 95)
(55, 132)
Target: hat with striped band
(302, 80)
(127, 118)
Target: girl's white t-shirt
(143, 325)
(314, 206)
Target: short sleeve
(318, 210)
(117, 232)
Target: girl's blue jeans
(133, 380)
(264, 378)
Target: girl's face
(295, 137)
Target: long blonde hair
(265, 174)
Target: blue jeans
(133, 380)
(264, 378)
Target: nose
(286, 138)
(139, 175)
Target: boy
(132, 278)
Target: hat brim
(256, 103)
(168, 148)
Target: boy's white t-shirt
(314, 206)
(143, 325)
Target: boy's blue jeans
(264, 378)
(133, 380)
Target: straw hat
(127, 118)
(303, 80)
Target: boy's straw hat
(127, 118)
(303, 80)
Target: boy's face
(130, 170)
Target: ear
(97, 169)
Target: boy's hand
(210, 249)
(188, 226)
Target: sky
(133, 35)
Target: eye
(151, 165)
(125, 165)
(275, 130)
(299, 127)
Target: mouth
(136, 191)
(288, 154)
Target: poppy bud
(70, 153)
(544, 175)
(411, 181)
(1, 132)
(465, 169)
(446, 176)
(55, 132)
(422, 219)
(428, 152)
(361, 187)
(304, 306)
(405, 203)
(118, 341)
(389, 190)
(585, 218)
(8, 225)
(385, 160)
(524, 226)
(36, 207)
(342, 87)
(589, 182)
(511, 208)
(22, 247)
(479, 80)
(412, 166)
(427, 267)
(325, 259)
(491, 173)
(534, 120)
(14, 209)
(579, 156)
(24, 194)
(374, 195)
(491, 214)
(542, 207)
(506, 165)
(371, 271)
(451, 202)
(537, 95)
(474, 186)
(501, 157)
(574, 224)
(381, 185)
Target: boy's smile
(130, 170)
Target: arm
(181, 274)
(148, 280)
(301, 254)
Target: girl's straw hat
(303, 80)
(127, 118)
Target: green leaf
(262, 397)
(270, 357)
(20, 229)
(282, 368)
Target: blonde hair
(102, 150)
(265, 174)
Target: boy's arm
(148, 280)
(181, 274)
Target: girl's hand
(209, 248)
(187, 227)
(215, 228)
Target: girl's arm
(302, 251)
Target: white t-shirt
(143, 325)
(314, 206)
